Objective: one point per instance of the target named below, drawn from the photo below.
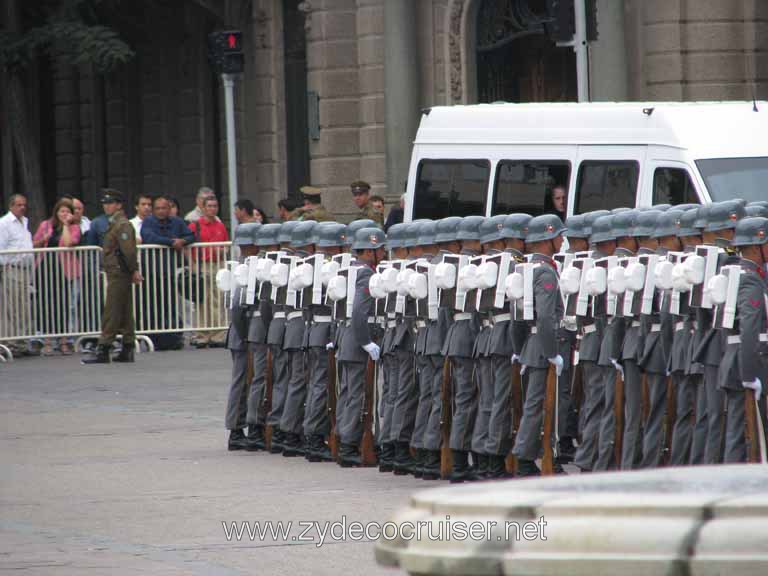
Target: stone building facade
(333, 89)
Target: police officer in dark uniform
(121, 265)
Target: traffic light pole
(229, 113)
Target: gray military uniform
(280, 364)
(237, 344)
(258, 326)
(319, 333)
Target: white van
(503, 158)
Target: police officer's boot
(101, 357)
(431, 468)
(255, 439)
(386, 457)
(126, 354)
(236, 440)
(403, 461)
(462, 471)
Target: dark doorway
(297, 138)
(516, 60)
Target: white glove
(373, 350)
(329, 346)
(618, 367)
(523, 368)
(515, 358)
(757, 386)
(557, 362)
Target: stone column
(608, 57)
(401, 89)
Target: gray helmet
(724, 215)
(469, 229)
(369, 238)
(661, 207)
(396, 235)
(447, 229)
(667, 224)
(624, 223)
(758, 203)
(516, 226)
(590, 217)
(286, 230)
(756, 211)
(575, 227)
(702, 216)
(412, 233)
(330, 234)
(544, 227)
(490, 229)
(602, 230)
(427, 233)
(687, 223)
(267, 234)
(620, 209)
(303, 234)
(685, 207)
(356, 225)
(246, 233)
(646, 223)
(751, 232)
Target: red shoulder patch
(548, 286)
(755, 303)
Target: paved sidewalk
(124, 470)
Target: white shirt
(85, 225)
(136, 221)
(15, 235)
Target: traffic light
(225, 51)
(562, 20)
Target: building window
(673, 186)
(451, 188)
(526, 185)
(606, 184)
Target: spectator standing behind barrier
(122, 267)
(244, 211)
(260, 216)
(56, 273)
(207, 262)
(14, 274)
(143, 210)
(285, 208)
(166, 230)
(175, 208)
(79, 217)
(202, 194)
(395, 214)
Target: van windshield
(728, 178)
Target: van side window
(451, 188)
(526, 185)
(673, 186)
(606, 184)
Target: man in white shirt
(16, 274)
(80, 217)
(202, 193)
(143, 209)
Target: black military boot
(527, 468)
(292, 445)
(558, 469)
(349, 456)
(318, 450)
(387, 457)
(126, 354)
(236, 440)
(418, 462)
(255, 439)
(277, 441)
(566, 451)
(403, 464)
(462, 471)
(430, 470)
(101, 357)
(497, 468)
(481, 462)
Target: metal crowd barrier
(54, 294)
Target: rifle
(669, 421)
(645, 399)
(517, 411)
(754, 432)
(268, 401)
(367, 447)
(333, 441)
(446, 394)
(618, 414)
(550, 414)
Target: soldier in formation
(484, 348)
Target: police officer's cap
(751, 232)
(724, 215)
(286, 230)
(447, 229)
(469, 228)
(396, 235)
(245, 233)
(646, 223)
(544, 227)
(516, 226)
(359, 187)
(427, 232)
(369, 239)
(575, 227)
(330, 234)
(624, 223)
(668, 224)
(303, 234)
(356, 225)
(590, 217)
(491, 228)
(688, 222)
(756, 211)
(602, 230)
(110, 196)
(267, 235)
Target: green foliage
(68, 33)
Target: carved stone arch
(460, 48)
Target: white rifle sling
(582, 302)
(564, 260)
(528, 294)
(466, 281)
(499, 298)
(402, 288)
(700, 295)
(317, 278)
(250, 292)
(731, 300)
(351, 287)
(433, 301)
(649, 290)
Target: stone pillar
(401, 89)
(607, 56)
